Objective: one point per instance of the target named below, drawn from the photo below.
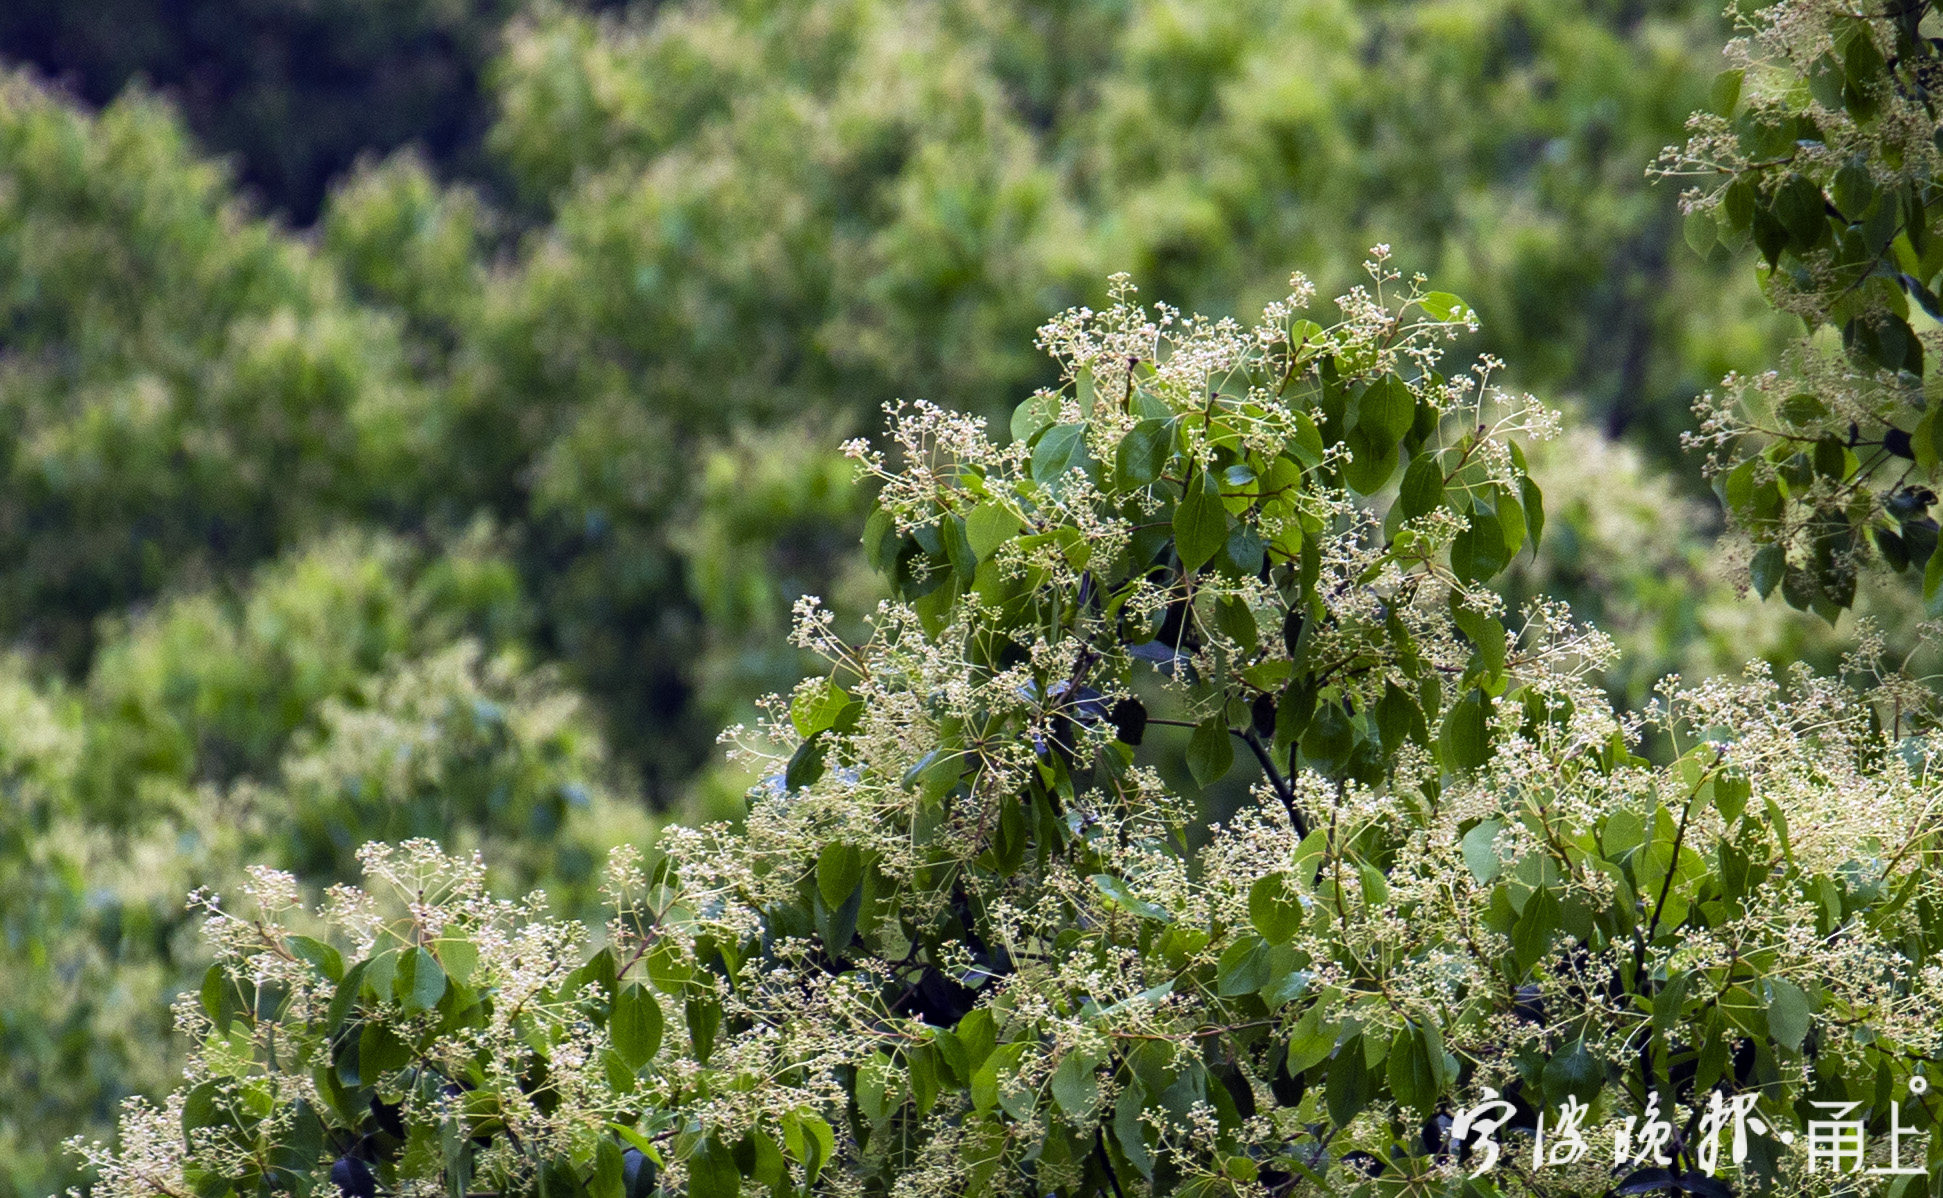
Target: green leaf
(1116, 890)
(199, 1108)
(380, 1051)
(1801, 410)
(1725, 92)
(990, 525)
(1534, 501)
(1832, 459)
(1884, 339)
(1731, 792)
(1862, 67)
(922, 1067)
(1464, 740)
(321, 956)
(635, 1025)
(1766, 570)
(1060, 450)
(1854, 188)
(1076, 1084)
(1478, 552)
(1234, 619)
(1487, 635)
(1397, 717)
(1480, 852)
(609, 1171)
(1330, 738)
(1274, 908)
(459, 956)
(1415, 1079)
(1372, 459)
(1348, 1087)
(1669, 1003)
(1285, 986)
(1422, 489)
(712, 1172)
(1442, 305)
(839, 870)
(994, 1074)
(345, 1000)
(1241, 555)
(1032, 415)
(816, 707)
(877, 1098)
(1306, 446)
(958, 550)
(704, 1019)
(218, 997)
(1700, 231)
(1131, 1130)
(1737, 204)
(1243, 969)
(1385, 411)
(805, 764)
(1788, 1012)
(1532, 935)
(420, 981)
(1798, 205)
(1143, 453)
(810, 1141)
(1209, 751)
(1310, 1041)
(1770, 235)
(1200, 522)
(1573, 1071)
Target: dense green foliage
(357, 691)
(473, 510)
(1822, 150)
(1175, 512)
(295, 90)
(970, 942)
(733, 224)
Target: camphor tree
(1823, 149)
(970, 942)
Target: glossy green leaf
(839, 871)
(1349, 1086)
(1274, 908)
(1061, 450)
(1416, 1079)
(1480, 854)
(1384, 412)
(1422, 489)
(1243, 968)
(1210, 751)
(712, 1171)
(1130, 1130)
(1463, 741)
(1478, 552)
(1076, 1084)
(989, 525)
(635, 1024)
(1765, 571)
(1143, 453)
(1123, 897)
(1200, 522)
(1789, 1015)
(419, 982)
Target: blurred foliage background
(417, 416)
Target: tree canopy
(1229, 747)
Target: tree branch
(1283, 790)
